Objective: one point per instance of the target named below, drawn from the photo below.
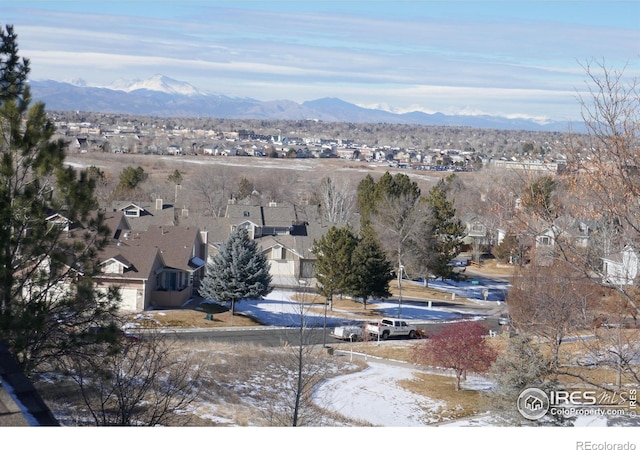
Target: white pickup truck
(388, 327)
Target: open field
(298, 173)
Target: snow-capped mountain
(165, 97)
(157, 83)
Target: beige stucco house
(160, 267)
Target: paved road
(276, 336)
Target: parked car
(388, 327)
(458, 263)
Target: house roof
(140, 250)
(150, 214)
(239, 213)
(276, 215)
(618, 258)
(299, 246)
(174, 243)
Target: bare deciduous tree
(603, 165)
(398, 225)
(213, 186)
(301, 365)
(145, 382)
(337, 200)
(551, 302)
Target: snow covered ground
(277, 309)
(354, 395)
(358, 395)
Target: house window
(246, 214)
(279, 253)
(131, 212)
(307, 269)
(476, 227)
(545, 240)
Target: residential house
(61, 222)
(284, 233)
(160, 267)
(577, 232)
(547, 238)
(475, 230)
(573, 232)
(476, 236)
(621, 269)
(78, 144)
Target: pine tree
(372, 194)
(333, 261)
(239, 271)
(522, 365)
(445, 232)
(366, 200)
(47, 296)
(372, 271)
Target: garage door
(129, 297)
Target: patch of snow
(158, 83)
(279, 309)
(374, 396)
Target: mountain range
(162, 96)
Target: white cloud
(398, 54)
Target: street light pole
(400, 269)
(324, 327)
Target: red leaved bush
(460, 346)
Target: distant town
(435, 148)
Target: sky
(509, 58)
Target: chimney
(159, 204)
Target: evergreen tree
(396, 186)
(445, 232)
(245, 188)
(371, 193)
(366, 198)
(522, 365)
(333, 268)
(509, 250)
(175, 177)
(372, 271)
(131, 177)
(47, 296)
(237, 272)
(129, 183)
